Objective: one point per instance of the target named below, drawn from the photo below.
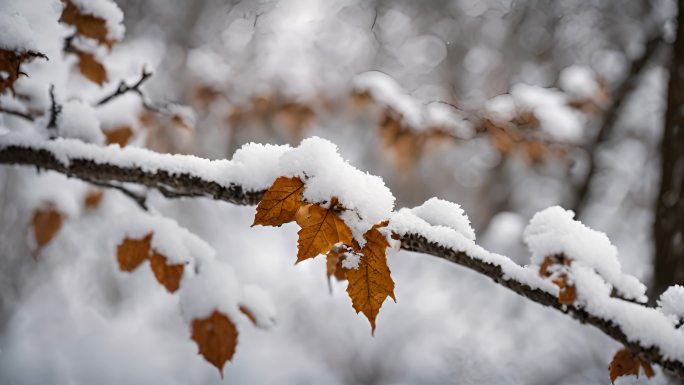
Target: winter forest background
(504, 107)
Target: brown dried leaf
(180, 122)
(167, 274)
(10, 67)
(567, 293)
(321, 230)
(86, 25)
(91, 68)
(499, 136)
(556, 259)
(119, 135)
(527, 119)
(295, 117)
(132, 252)
(280, 202)
(46, 223)
(93, 199)
(535, 151)
(334, 266)
(248, 313)
(370, 284)
(204, 95)
(216, 336)
(626, 363)
(361, 98)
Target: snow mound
(554, 231)
(579, 81)
(326, 174)
(438, 212)
(215, 287)
(78, 120)
(671, 302)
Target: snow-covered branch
(645, 330)
(131, 165)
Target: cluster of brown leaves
(272, 110)
(91, 27)
(132, 252)
(269, 110)
(10, 67)
(406, 145)
(555, 267)
(626, 363)
(522, 135)
(216, 335)
(324, 232)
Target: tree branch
(55, 111)
(20, 114)
(620, 96)
(124, 88)
(139, 199)
(129, 165)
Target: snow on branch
(584, 258)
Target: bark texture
(669, 212)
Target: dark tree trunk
(669, 214)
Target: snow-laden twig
(645, 330)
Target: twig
(139, 199)
(124, 88)
(375, 19)
(20, 114)
(55, 111)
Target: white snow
(405, 221)
(351, 261)
(31, 25)
(441, 115)
(215, 287)
(648, 326)
(501, 107)
(549, 106)
(671, 302)
(554, 231)
(120, 112)
(174, 242)
(595, 270)
(438, 212)
(254, 166)
(385, 90)
(260, 305)
(107, 10)
(326, 174)
(579, 81)
(78, 120)
(417, 115)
